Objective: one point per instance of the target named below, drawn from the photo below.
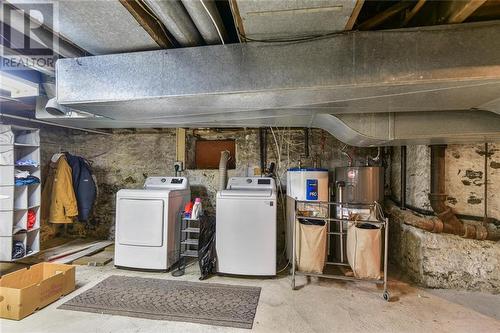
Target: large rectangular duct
(444, 68)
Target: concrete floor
(319, 306)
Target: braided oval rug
(203, 303)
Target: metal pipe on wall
(306, 142)
(485, 183)
(263, 149)
(176, 19)
(403, 177)
(206, 17)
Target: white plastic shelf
(16, 202)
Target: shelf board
(192, 230)
(190, 253)
(28, 145)
(26, 166)
(190, 242)
(26, 256)
(25, 185)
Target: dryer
(246, 227)
(148, 223)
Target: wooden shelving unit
(18, 144)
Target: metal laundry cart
(337, 209)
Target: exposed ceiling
(270, 19)
(79, 20)
(273, 80)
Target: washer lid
(246, 193)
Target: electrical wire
(282, 269)
(213, 21)
(150, 12)
(294, 38)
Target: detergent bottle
(188, 209)
(196, 209)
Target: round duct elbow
(55, 108)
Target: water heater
(361, 184)
(307, 184)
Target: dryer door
(140, 222)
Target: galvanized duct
(207, 19)
(176, 19)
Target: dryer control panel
(166, 183)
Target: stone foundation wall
(127, 157)
(442, 260)
(465, 178)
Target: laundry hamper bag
(364, 247)
(311, 245)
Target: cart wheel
(387, 296)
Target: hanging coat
(83, 185)
(58, 197)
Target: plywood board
(87, 252)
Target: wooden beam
(383, 16)
(490, 10)
(238, 22)
(459, 11)
(180, 147)
(150, 23)
(411, 14)
(354, 15)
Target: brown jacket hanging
(58, 198)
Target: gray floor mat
(204, 303)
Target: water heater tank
(362, 184)
(307, 184)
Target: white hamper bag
(364, 245)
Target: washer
(246, 227)
(148, 222)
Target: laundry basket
(364, 247)
(311, 245)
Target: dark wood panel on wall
(207, 154)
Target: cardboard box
(27, 290)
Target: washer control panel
(256, 183)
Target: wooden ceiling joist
(354, 15)
(150, 23)
(459, 11)
(490, 10)
(383, 16)
(411, 14)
